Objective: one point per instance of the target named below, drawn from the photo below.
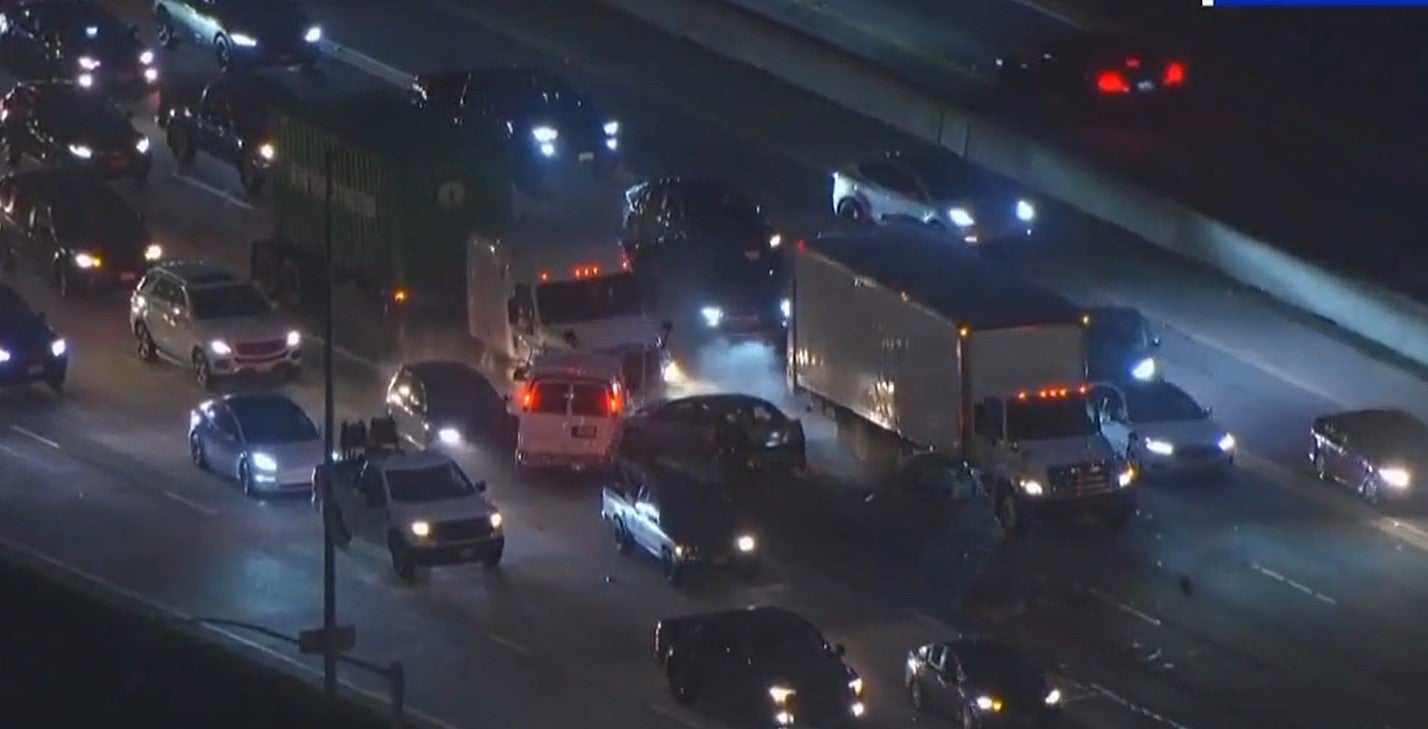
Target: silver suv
(198, 314)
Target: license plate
(583, 431)
(466, 553)
(127, 277)
(36, 369)
(753, 255)
(587, 156)
(1145, 86)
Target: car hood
(1018, 693)
(1065, 451)
(108, 50)
(19, 334)
(244, 329)
(471, 507)
(816, 679)
(1202, 431)
(117, 251)
(102, 135)
(613, 333)
(300, 454)
(270, 21)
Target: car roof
(197, 273)
(757, 614)
(575, 365)
(414, 461)
(1384, 421)
(239, 403)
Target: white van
(568, 407)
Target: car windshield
(273, 421)
(98, 217)
(228, 302)
(537, 94)
(13, 309)
(787, 642)
(992, 663)
(1117, 330)
(1161, 402)
(1048, 419)
(590, 299)
(80, 107)
(718, 210)
(430, 483)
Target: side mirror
(1155, 341)
(480, 486)
(1015, 446)
(839, 650)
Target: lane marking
(180, 616)
(190, 503)
(32, 435)
(1136, 708)
(516, 646)
(1056, 15)
(669, 713)
(348, 354)
(1271, 574)
(363, 62)
(1123, 607)
(927, 621)
(210, 189)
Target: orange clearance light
(1021, 395)
(544, 276)
(964, 331)
(1082, 389)
(801, 245)
(528, 397)
(399, 296)
(1085, 320)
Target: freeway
(1233, 153)
(1224, 605)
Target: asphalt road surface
(1233, 147)
(1226, 604)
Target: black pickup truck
(226, 118)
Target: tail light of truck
(528, 398)
(614, 399)
(586, 271)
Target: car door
(225, 445)
(888, 191)
(202, 18)
(648, 532)
(215, 130)
(1110, 411)
(939, 690)
(169, 322)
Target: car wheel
(165, 31)
(181, 143)
(968, 720)
(402, 563)
(224, 53)
(245, 479)
(673, 570)
(623, 542)
(1010, 516)
(850, 209)
(196, 452)
(145, 344)
(1369, 489)
(493, 560)
(12, 155)
(63, 281)
(203, 372)
(914, 695)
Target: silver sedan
(267, 442)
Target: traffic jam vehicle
(568, 410)
(1161, 429)
(1121, 346)
(709, 254)
(30, 350)
(419, 506)
(935, 188)
(226, 119)
(768, 663)
(685, 523)
(62, 125)
(447, 403)
(1378, 453)
(1093, 70)
(981, 682)
(199, 315)
(240, 33)
(78, 232)
(738, 433)
(266, 442)
(77, 40)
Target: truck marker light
(399, 296)
(528, 398)
(544, 276)
(1085, 320)
(963, 331)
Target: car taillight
(614, 401)
(528, 398)
(1174, 74)
(1112, 82)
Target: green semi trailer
(409, 190)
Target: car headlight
(294, 338)
(1053, 698)
(220, 348)
(783, 718)
(785, 307)
(672, 372)
(81, 151)
(1124, 478)
(421, 529)
(313, 34)
(961, 217)
(4, 356)
(88, 63)
(267, 151)
(58, 347)
(1395, 476)
(612, 144)
(746, 543)
(449, 436)
(856, 686)
(153, 252)
(142, 145)
(1144, 369)
(1159, 447)
(1025, 211)
(775, 240)
(244, 40)
(545, 135)
(264, 462)
(151, 74)
(85, 80)
(146, 57)
(1031, 487)
(712, 315)
(989, 703)
(1227, 443)
(87, 260)
(858, 708)
(611, 128)
(496, 520)
(780, 694)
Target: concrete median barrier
(1359, 307)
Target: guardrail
(1355, 305)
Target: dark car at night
(981, 683)
(1093, 71)
(1121, 346)
(768, 664)
(64, 126)
(741, 434)
(80, 41)
(709, 255)
(448, 403)
(1381, 454)
(227, 118)
(242, 33)
(546, 123)
(30, 351)
(75, 230)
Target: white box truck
(913, 345)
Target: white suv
(200, 315)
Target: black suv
(64, 126)
(76, 40)
(30, 351)
(79, 232)
(228, 119)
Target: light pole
(329, 553)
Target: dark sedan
(741, 434)
(242, 32)
(1382, 454)
(77, 40)
(982, 683)
(30, 351)
(1121, 346)
(64, 126)
(1094, 67)
(79, 233)
(450, 403)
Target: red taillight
(802, 245)
(528, 398)
(1112, 82)
(614, 401)
(1132, 62)
(1174, 74)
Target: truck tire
(1009, 513)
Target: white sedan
(265, 441)
(1161, 429)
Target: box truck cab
(568, 407)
